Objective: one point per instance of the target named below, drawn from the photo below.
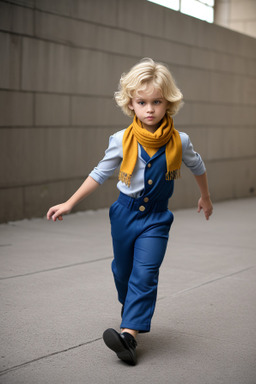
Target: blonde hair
(146, 72)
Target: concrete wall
(60, 63)
(237, 15)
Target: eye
(157, 102)
(141, 102)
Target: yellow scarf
(165, 134)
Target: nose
(150, 108)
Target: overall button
(149, 165)
(150, 182)
(142, 208)
(146, 199)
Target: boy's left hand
(206, 205)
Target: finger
(50, 213)
(57, 216)
(208, 214)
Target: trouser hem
(136, 327)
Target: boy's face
(150, 107)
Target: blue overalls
(140, 229)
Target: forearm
(202, 183)
(205, 200)
(88, 186)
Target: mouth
(149, 117)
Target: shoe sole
(113, 341)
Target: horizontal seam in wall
(214, 126)
(221, 103)
(111, 97)
(121, 126)
(119, 54)
(69, 127)
(64, 94)
(18, 5)
(230, 159)
(118, 127)
(47, 182)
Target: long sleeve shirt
(114, 155)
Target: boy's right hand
(57, 211)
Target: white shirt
(114, 156)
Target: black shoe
(123, 344)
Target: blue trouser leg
(121, 274)
(142, 286)
(139, 244)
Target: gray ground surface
(58, 296)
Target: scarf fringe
(125, 178)
(172, 175)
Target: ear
(130, 106)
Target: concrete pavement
(58, 296)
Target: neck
(151, 128)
